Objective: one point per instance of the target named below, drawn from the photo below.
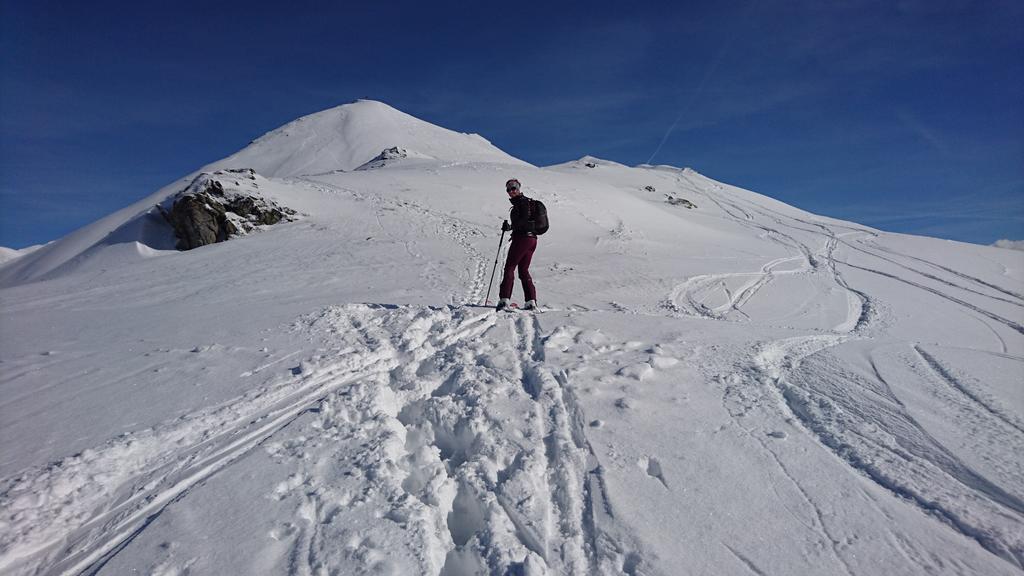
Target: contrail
(700, 87)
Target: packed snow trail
(465, 438)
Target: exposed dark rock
(205, 212)
(679, 201)
(590, 165)
(198, 220)
(650, 188)
(386, 156)
(246, 172)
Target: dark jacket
(525, 216)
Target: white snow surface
(1009, 244)
(738, 388)
(8, 254)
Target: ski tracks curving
(690, 297)
(863, 422)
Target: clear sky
(907, 115)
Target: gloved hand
(505, 226)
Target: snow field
(738, 388)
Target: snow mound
(1009, 244)
(8, 254)
(348, 136)
(588, 162)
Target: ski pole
(490, 283)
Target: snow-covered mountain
(721, 384)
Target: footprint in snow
(652, 466)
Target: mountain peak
(348, 136)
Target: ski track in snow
(96, 500)
(863, 422)
(441, 441)
(427, 397)
(457, 230)
(689, 297)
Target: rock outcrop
(207, 212)
(387, 156)
(676, 201)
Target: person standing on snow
(529, 218)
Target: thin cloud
(926, 133)
(696, 93)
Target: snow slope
(742, 387)
(8, 254)
(341, 138)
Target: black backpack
(537, 213)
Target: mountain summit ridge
(348, 136)
(338, 139)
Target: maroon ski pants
(519, 255)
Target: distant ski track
(689, 296)
(694, 290)
(856, 419)
(458, 230)
(1009, 323)
(1007, 296)
(1005, 291)
(810, 394)
(1015, 299)
(747, 563)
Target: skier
(529, 218)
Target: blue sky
(907, 115)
